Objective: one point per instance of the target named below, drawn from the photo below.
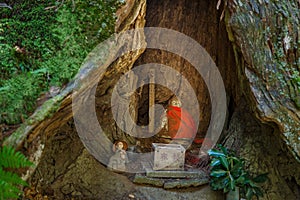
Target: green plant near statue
(9, 181)
(228, 173)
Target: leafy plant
(10, 181)
(228, 172)
(42, 44)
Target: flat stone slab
(175, 174)
(195, 182)
(142, 179)
(167, 183)
(199, 193)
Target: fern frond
(11, 178)
(8, 184)
(8, 191)
(9, 158)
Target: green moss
(45, 111)
(229, 30)
(17, 137)
(297, 101)
(42, 44)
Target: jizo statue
(179, 123)
(119, 160)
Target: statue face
(176, 103)
(120, 145)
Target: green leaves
(224, 162)
(218, 173)
(227, 173)
(215, 162)
(17, 97)
(253, 191)
(261, 178)
(219, 183)
(215, 153)
(225, 168)
(10, 181)
(9, 158)
(42, 47)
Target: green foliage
(18, 95)
(10, 181)
(25, 27)
(228, 172)
(42, 44)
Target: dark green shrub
(228, 172)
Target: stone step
(175, 174)
(170, 183)
(184, 183)
(193, 173)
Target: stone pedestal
(168, 156)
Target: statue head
(175, 102)
(120, 145)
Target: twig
(62, 2)
(73, 5)
(50, 7)
(4, 5)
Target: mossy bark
(266, 36)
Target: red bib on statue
(180, 123)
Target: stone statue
(179, 124)
(119, 160)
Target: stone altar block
(168, 156)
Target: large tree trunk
(255, 121)
(266, 40)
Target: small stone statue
(119, 160)
(179, 124)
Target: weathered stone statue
(119, 159)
